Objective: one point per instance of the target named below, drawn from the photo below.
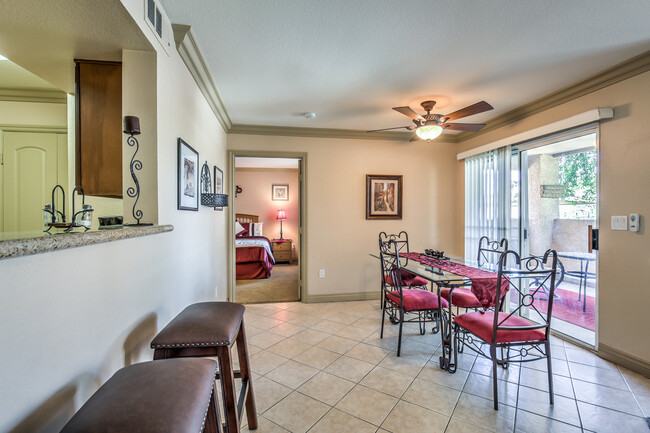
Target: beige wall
(33, 114)
(256, 199)
(67, 315)
(624, 257)
(339, 236)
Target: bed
(254, 257)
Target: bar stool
(211, 329)
(175, 395)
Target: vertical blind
(487, 197)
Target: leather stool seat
(173, 395)
(211, 329)
(204, 324)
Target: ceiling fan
(429, 126)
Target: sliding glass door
(557, 209)
(543, 194)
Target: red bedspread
(253, 262)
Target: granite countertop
(35, 243)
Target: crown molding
(189, 50)
(291, 131)
(627, 69)
(50, 96)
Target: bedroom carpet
(282, 286)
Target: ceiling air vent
(158, 23)
(151, 12)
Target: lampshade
(281, 215)
(428, 132)
(131, 125)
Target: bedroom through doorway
(267, 229)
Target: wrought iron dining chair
(521, 335)
(488, 251)
(409, 279)
(400, 301)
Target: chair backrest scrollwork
(490, 251)
(530, 279)
(390, 246)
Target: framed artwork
(280, 192)
(188, 177)
(383, 197)
(218, 183)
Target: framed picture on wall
(218, 183)
(280, 192)
(383, 197)
(188, 177)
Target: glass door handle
(592, 238)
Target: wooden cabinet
(282, 250)
(98, 95)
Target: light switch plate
(619, 223)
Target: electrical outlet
(619, 223)
(321, 273)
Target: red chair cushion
(463, 298)
(481, 325)
(408, 279)
(416, 299)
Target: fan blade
(388, 129)
(408, 111)
(472, 127)
(479, 107)
(415, 138)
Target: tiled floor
(323, 368)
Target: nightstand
(282, 250)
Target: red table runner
(484, 283)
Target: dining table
(452, 273)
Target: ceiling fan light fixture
(428, 132)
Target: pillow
(256, 229)
(247, 229)
(239, 229)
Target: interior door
(34, 163)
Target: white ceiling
(13, 76)
(351, 61)
(45, 37)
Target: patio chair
(521, 335)
(419, 304)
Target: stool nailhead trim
(224, 343)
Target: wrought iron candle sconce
(209, 198)
(132, 126)
(57, 219)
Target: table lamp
(281, 216)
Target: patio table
(583, 274)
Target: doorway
(267, 219)
(554, 205)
